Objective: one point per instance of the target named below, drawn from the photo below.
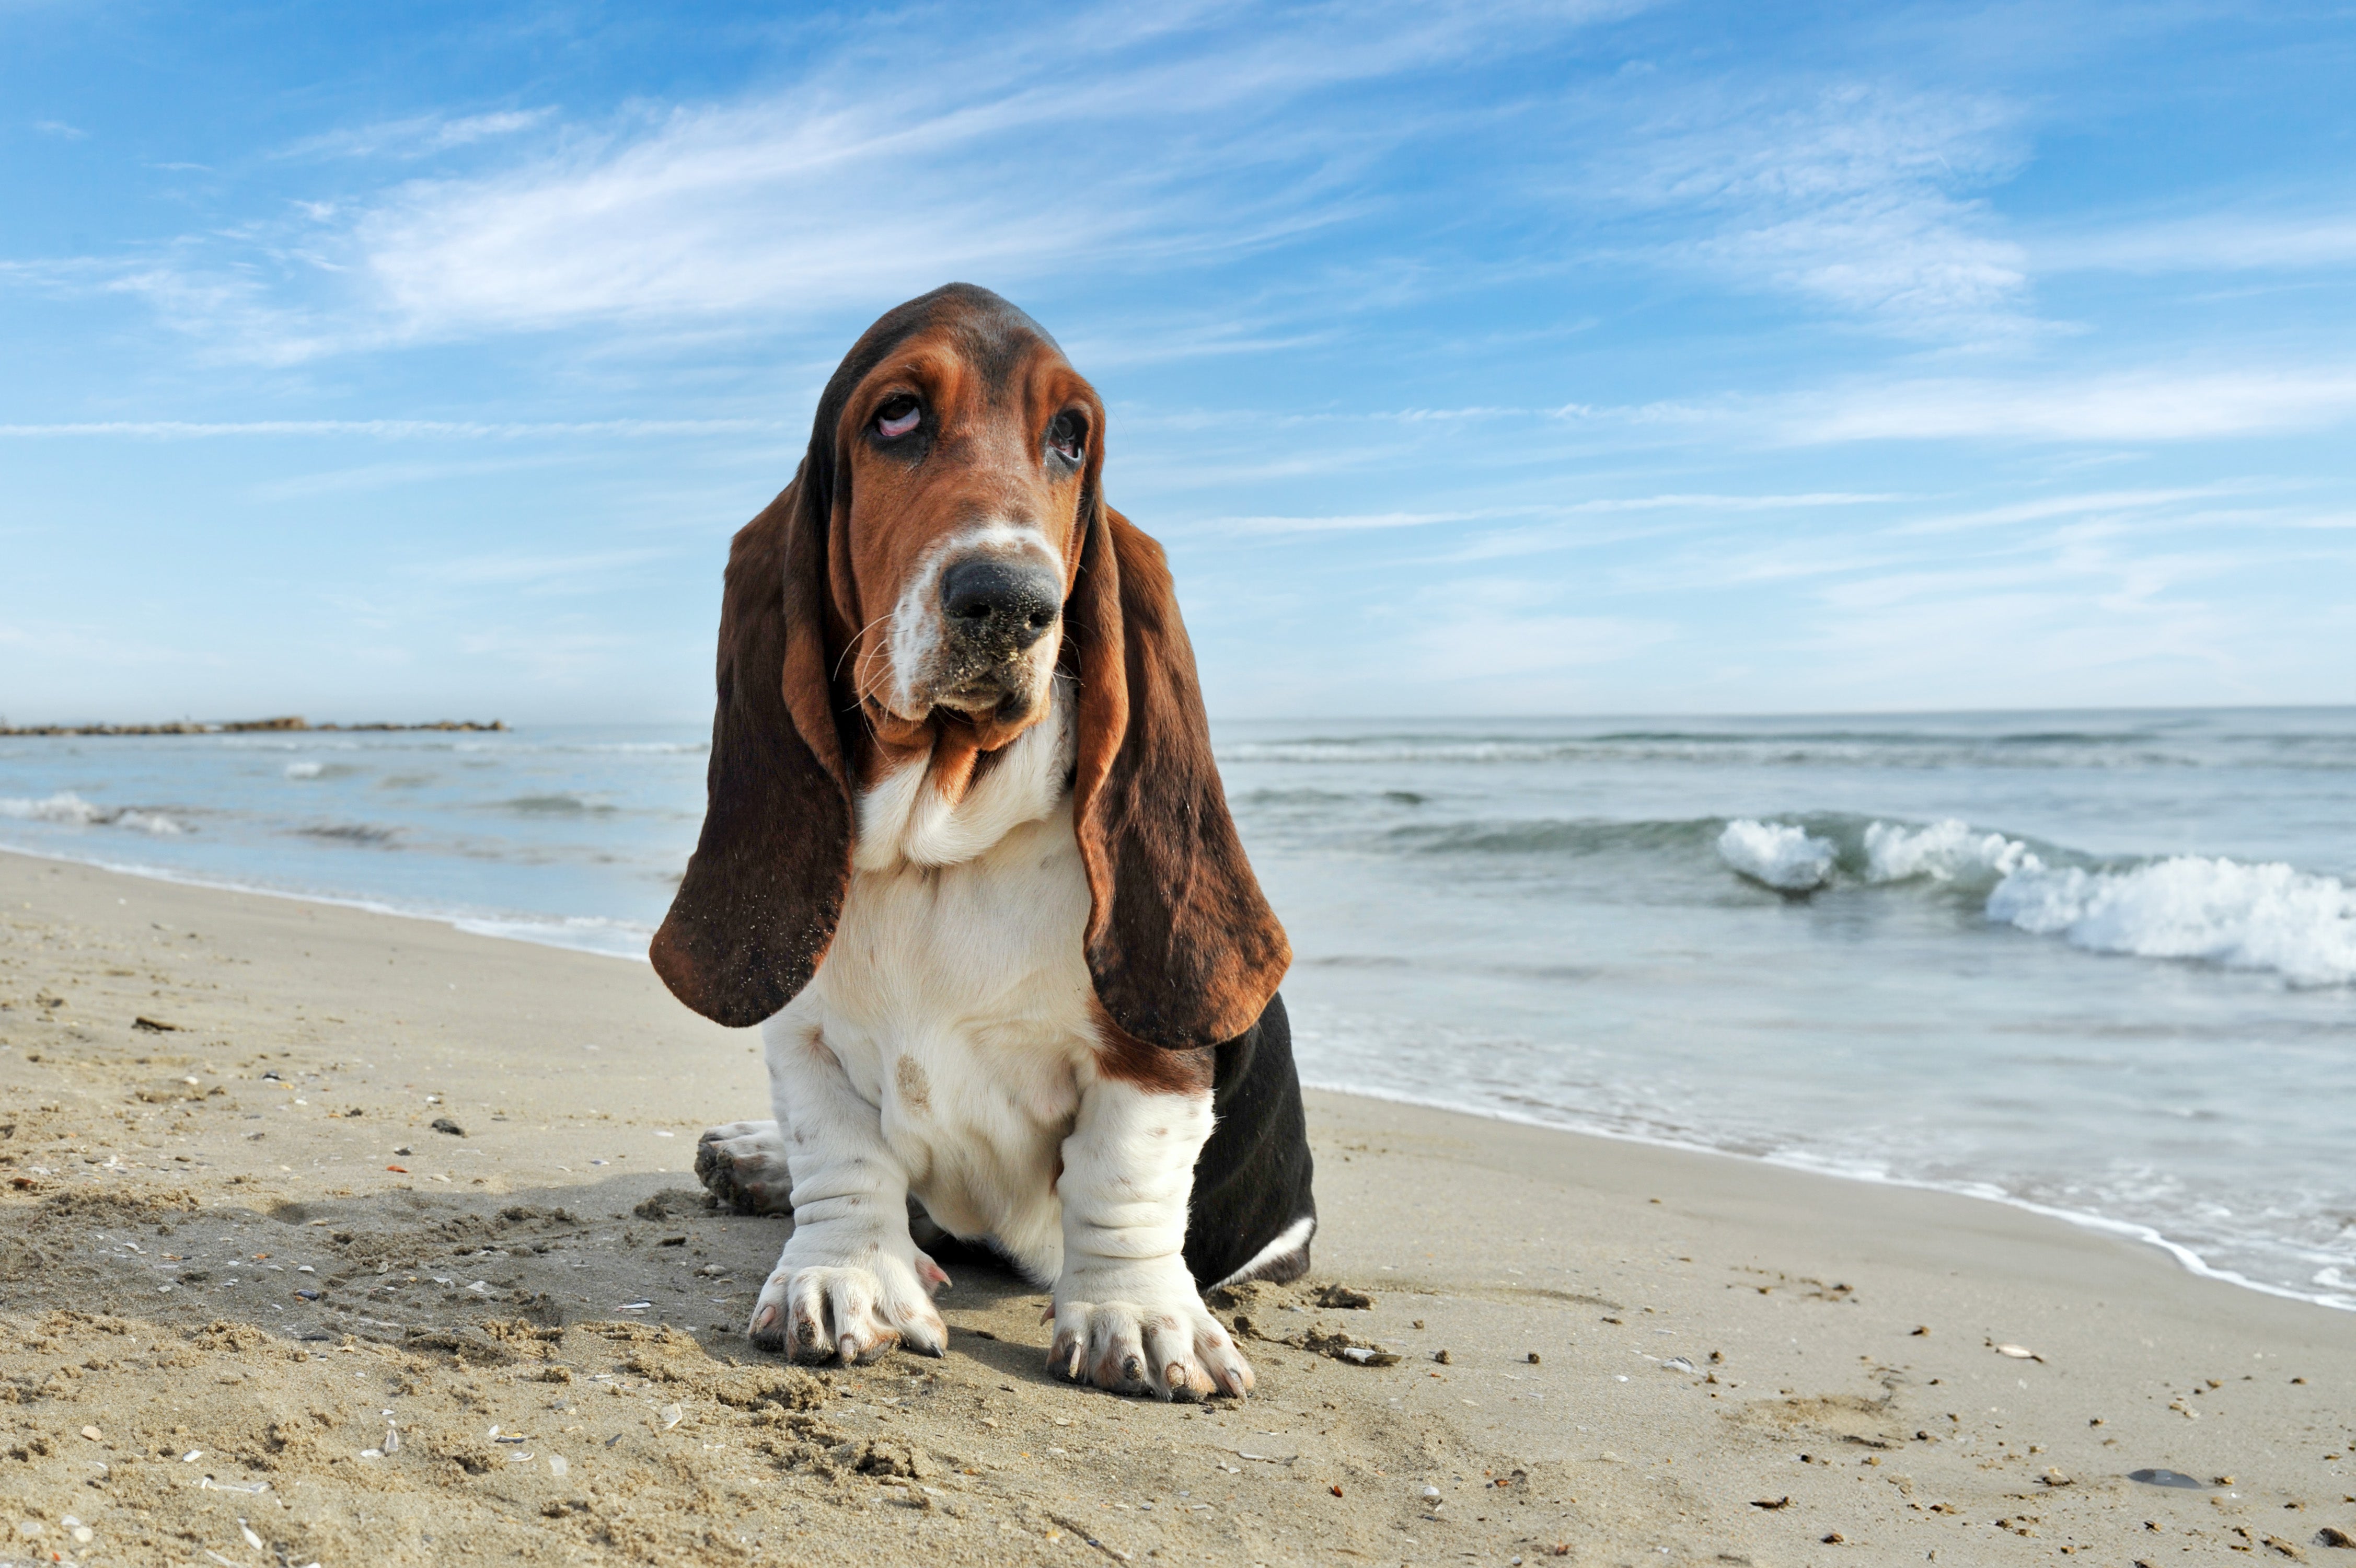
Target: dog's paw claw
(1174, 1350)
(848, 1311)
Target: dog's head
(964, 452)
(943, 554)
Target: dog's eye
(1069, 436)
(898, 415)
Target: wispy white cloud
(811, 203)
(1597, 506)
(367, 476)
(392, 429)
(542, 571)
(417, 136)
(1347, 523)
(101, 642)
(1857, 197)
(2156, 404)
(1485, 631)
(2226, 239)
(2146, 403)
(1006, 157)
(2098, 502)
(61, 131)
(547, 656)
(2098, 608)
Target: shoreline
(478, 925)
(497, 929)
(2190, 1261)
(1644, 1348)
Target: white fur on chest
(956, 996)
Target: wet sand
(230, 1302)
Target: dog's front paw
(743, 1165)
(817, 1311)
(1146, 1338)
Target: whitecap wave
(70, 810)
(304, 769)
(646, 747)
(65, 806)
(2272, 916)
(1946, 850)
(1784, 857)
(1368, 751)
(151, 822)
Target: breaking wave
(2298, 924)
(2271, 917)
(70, 810)
(65, 806)
(1787, 858)
(1943, 852)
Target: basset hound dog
(968, 862)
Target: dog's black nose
(1001, 602)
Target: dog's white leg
(850, 1282)
(1126, 1314)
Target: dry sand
(232, 1331)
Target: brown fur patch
(1124, 1058)
(916, 1088)
(1183, 949)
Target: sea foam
(1946, 850)
(1784, 857)
(152, 823)
(71, 810)
(65, 806)
(2243, 917)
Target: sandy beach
(257, 1308)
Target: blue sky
(419, 359)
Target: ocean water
(2101, 965)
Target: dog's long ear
(762, 895)
(1182, 945)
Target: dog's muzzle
(995, 609)
(994, 614)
